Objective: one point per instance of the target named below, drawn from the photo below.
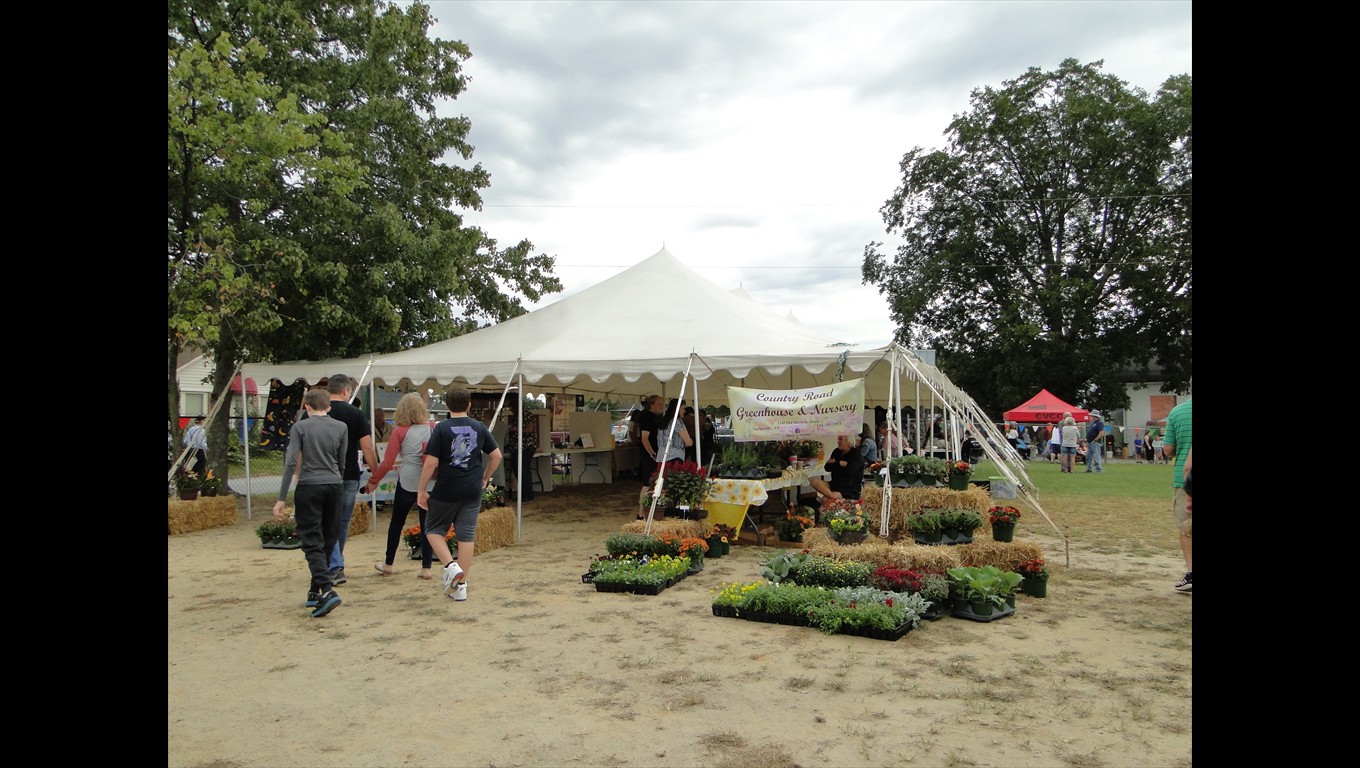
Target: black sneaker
(325, 604)
(312, 599)
(1185, 584)
(338, 577)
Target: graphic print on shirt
(463, 444)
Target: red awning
(251, 389)
(1044, 408)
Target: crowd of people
(442, 469)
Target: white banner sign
(784, 414)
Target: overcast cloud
(755, 140)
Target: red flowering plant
(685, 484)
(1003, 515)
(961, 468)
(893, 579)
(1033, 568)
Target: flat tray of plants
(863, 611)
(642, 564)
(965, 611)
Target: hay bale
(495, 529)
(906, 501)
(201, 513)
(1003, 554)
(362, 519)
(681, 528)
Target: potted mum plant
(1035, 575)
(1003, 521)
(927, 526)
(275, 534)
(720, 538)
(212, 484)
(790, 528)
(845, 518)
(414, 538)
(959, 473)
(188, 484)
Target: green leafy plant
(965, 521)
(624, 543)
(784, 598)
(934, 587)
(866, 607)
(781, 565)
(926, 521)
(984, 583)
(824, 572)
(936, 468)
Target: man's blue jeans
(1095, 456)
(349, 492)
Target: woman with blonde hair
(1070, 435)
(407, 443)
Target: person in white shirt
(196, 439)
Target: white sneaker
(451, 573)
(460, 591)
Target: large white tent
(642, 331)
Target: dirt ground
(538, 669)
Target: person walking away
(1095, 444)
(1013, 435)
(316, 451)
(406, 451)
(196, 439)
(341, 390)
(1054, 442)
(1068, 437)
(1176, 444)
(461, 457)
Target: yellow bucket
(727, 514)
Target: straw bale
(905, 501)
(495, 529)
(681, 528)
(203, 512)
(1002, 554)
(362, 519)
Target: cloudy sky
(756, 141)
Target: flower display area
(203, 512)
(906, 501)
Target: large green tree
(313, 189)
(1049, 245)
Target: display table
(729, 500)
(588, 465)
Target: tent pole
(245, 438)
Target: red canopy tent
(1044, 408)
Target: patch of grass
(799, 683)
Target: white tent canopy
(630, 335)
(639, 331)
